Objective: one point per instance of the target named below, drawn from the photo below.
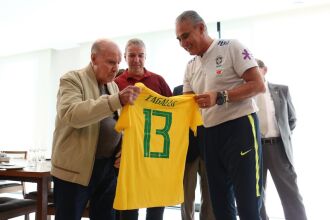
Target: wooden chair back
(13, 186)
(16, 154)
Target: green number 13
(148, 113)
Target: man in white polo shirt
(225, 77)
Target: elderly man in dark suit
(277, 120)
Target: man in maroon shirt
(135, 56)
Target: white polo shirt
(220, 68)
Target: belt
(271, 140)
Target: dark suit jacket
(196, 144)
(285, 115)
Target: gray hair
(261, 64)
(135, 41)
(192, 16)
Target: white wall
(24, 113)
(293, 44)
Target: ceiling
(28, 25)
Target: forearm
(84, 113)
(246, 90)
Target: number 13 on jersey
(148, 114)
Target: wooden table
(39, 174)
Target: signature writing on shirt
(160, 101)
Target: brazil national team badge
(218, 67)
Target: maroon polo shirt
(151, 80)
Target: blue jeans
(71, 198)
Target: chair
(10, 207)
(10, 186)
(16, 154)
(13, 186)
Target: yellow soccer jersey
(154, 148)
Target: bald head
(104, 44)
(105, 59)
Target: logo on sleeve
(246, 54)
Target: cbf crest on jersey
(218, 66)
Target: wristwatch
(222, 97)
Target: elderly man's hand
(129, 95)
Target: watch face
(220, 98)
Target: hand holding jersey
(129, 95)
(206, 100)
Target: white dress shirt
(266, 114)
